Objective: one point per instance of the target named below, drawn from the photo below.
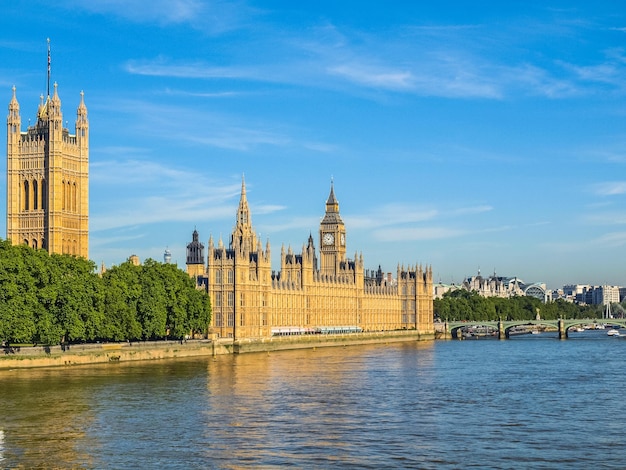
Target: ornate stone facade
(249, 300)
(48, 179)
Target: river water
(528, 402)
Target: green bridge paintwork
(503, 326)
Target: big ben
(332, 237)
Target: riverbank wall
(82, 354)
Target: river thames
(528, 402)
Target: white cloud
(610, 188)
(215, 16)
(159, 194)
(613, 239)
(375, 77)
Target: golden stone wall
(249, 301)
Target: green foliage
(464, 305)
(51, 299)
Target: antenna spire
(48, 67)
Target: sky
(465, 136)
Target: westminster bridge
(504, 327)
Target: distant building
(602, 295)
(314, 290)
(496, 286)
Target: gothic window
(35, 195)
(218, 319)
(231, 319)
(26, 198)
(35, 243)
(64, 196)
(74, 204)
(231, 299)
(230, 276)
(218, 276)
(44, 195)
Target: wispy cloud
(215, 16)
(610, 188)
(614, 239)
(160, 67)
(214, 129)
(160, 194)
(376, 78)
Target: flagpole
(48, 67)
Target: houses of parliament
(315, 291)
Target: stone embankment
(58, 356)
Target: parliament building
(48, 179)
(314, 291)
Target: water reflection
(500, 404)
(53, 415)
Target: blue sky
(466, 135)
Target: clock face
(328, 239)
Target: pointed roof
(243, 212)
(332, 208)
(13, 104)
(331, 197)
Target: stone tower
(195, 256)
(332, 237)
(48, 179)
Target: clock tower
(332, 237)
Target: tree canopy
(461, 304)
(50, 299)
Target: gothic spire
(243, 213)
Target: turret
(82, 124)
(14, 124)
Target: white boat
(612, 332)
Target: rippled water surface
(529, 402)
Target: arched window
(44, 196)
(26, 198)
(230, 276)
(218, 276)
(35, 195)
(64, 195)
(35, 244)
(74, 202)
